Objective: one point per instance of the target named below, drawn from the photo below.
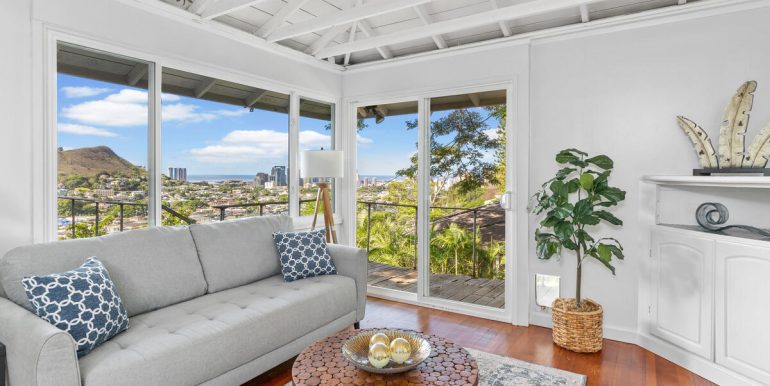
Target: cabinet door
(743, 310)
(682, 290)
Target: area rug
(496, 370)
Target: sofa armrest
(353, 263)
(38, 353)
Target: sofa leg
(2, 364)
(357, 325)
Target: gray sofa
(207, 306)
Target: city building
(261, 178)
(177, 174)
(278, 175)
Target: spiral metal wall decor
(711, 216)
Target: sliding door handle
(506, 201)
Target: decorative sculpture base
(743, 171)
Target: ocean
(249, 177)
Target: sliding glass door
(430, 185)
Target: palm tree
(454, 239)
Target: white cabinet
(742, 305)
(682, 274)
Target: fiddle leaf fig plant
(573, 201)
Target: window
(102, 127)
(316, 124)
(225, 149)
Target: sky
(210, 138)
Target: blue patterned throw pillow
(82, 302)
(303, 254)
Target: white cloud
(231, 113)
(363, 140)
(128, 108)
(82, 92)
(71, 128)
(492, 133)
(242, 146)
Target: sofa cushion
(192, 342)
(83, 302)
(238, 252)
(152, 267)
(303, 254)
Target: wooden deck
(485, 292)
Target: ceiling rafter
(427, 19)
(276, 20)
(222, 7)
(254, 98)
(351, 38)
(204, 86)
(367, 30)
(344, 17)
(137, 73)
(325, 39)
(506, 30)
(522, 10)
(584, 17)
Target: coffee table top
(322, 363)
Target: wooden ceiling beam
(137, 73)
(532, 8)
(344, 17)
(204, 86)
(367, 30)
(325, 39)
(351, 38)
(254, 98)
(504, 28)
(223, 7)
(584, 17)
(427, 19)
(276, 20)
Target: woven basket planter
(579, 331)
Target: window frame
(45, 215)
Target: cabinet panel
(742, 311)
(682, 290)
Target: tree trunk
(579, 277)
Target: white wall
(614, 93)
(15, 132)
(127, 27)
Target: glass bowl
(356, 350)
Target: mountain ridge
(95, 161)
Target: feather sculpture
(759, 151)
(703, 147)
(734, 124)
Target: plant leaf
(608, 217)
(601, 161)
(564, 230)
(587, 181)
(604, 255)
(734, 124)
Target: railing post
(368, 225)
(221, 214)
(96, 227)
(121, 217)
(72, 209)
(416, 219)
(261, 209)
(475, 213)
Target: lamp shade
(322, 164)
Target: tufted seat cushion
(185, 343)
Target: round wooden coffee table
(322, 363)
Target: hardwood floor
(617, 364)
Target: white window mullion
(155, 209)
(294, 155)
(423, 198)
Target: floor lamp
(323, 164)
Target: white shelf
(755, 182)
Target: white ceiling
(322, 28)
